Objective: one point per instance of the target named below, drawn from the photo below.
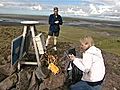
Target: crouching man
(92, 65)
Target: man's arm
(85, 63)
(51, 20)
(60, 21)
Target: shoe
(55, 48)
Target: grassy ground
(7, 34)
(106, 38)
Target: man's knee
(55, 37)
(49, 37)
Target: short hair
(55, 9)
(87, 40)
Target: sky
(107, 9)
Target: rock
(39, 73)
(13, 89)
(7, 69)
(9, 58)
(53, 82)
(9, 82)
(3, 61)
(42, 86)
(25, 76)
(33, 83)
(118, 40)
(2, 77)
(115, 88)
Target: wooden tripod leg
(37, 53)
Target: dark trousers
(82, 85)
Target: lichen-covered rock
(9, 82)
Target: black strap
(95, 83)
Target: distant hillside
(17, 16)
(66, 19)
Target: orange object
(53, 68)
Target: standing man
(55, 20)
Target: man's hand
(56, 22)
(71, 56)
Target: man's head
(55, 10)
(86, 42)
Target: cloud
(73, 11)
(36, 7)
(1, 4)
(23, 5)
(93, 9)
(77, 12)
(105, 8)
(12, 4)
(106, 2)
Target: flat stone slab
(29, 22)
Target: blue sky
(70, 8)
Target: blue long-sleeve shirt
(53, 26)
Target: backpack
(75, 74)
